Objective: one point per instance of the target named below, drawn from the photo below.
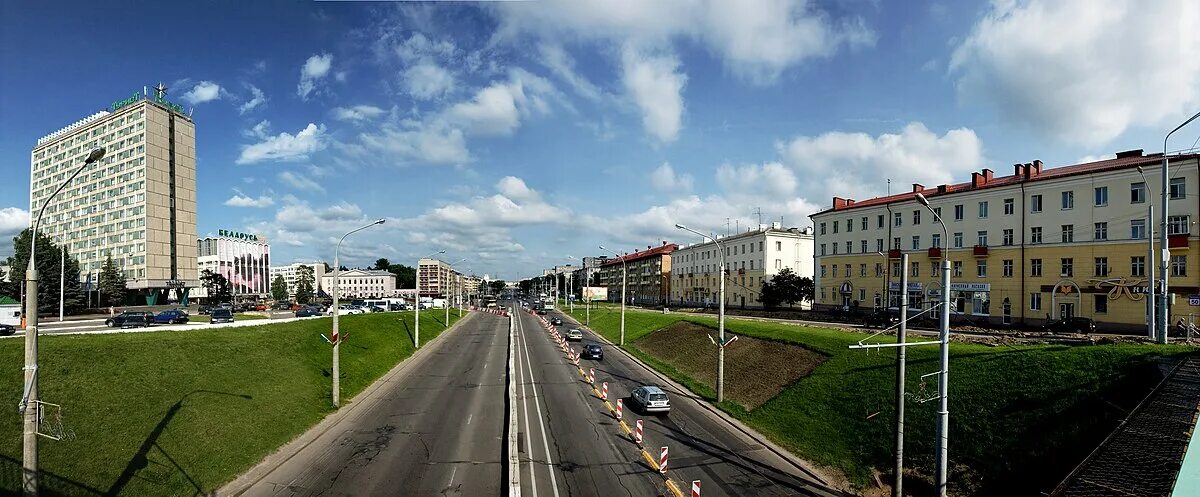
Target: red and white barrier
(695, 488)
(592, 375)
(604, 391)
(637, 433)
(620, 408)
(662, 460)
(576, 354)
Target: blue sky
(515, 134)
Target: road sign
(1193, 299)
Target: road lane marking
(538, 405)
(469, 416)
(525, 407)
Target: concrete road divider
(675, 491)
(514, 458)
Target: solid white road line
(525, 406)
(469, 416)
(538, 405)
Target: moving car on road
(650, 399)
(1071, 325)
(881, 318)
(133, 317)
(171, 316)
(574, 335)
(556, 321)
(7, 329)
(221, 315)
(592, 351)
(307, 311)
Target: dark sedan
(308, 311)
(1070, 325)
(130, 319)
(556, 321)
(7, 329)
(221, 315)
(172, 316)
(592, 351)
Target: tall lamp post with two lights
(337, 341)
(720, 313)
(624, 277)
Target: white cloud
(497, 109)
(313, 70)
(242, 200)
(515, 188)
(204, 91)
(655, 85)
(299, 182)
(255, 101)
(857, 165)
(260, 130)
(12, 221)
(419, 47)
(414, 141)
(285, 147)
(357, 113)
(771, 180)
(1084, 71)
(665, 179)
(555, 58)
(427, 80)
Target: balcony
(1179, 241)
(935, 253)
(894, 254)
(980, 251)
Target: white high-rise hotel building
(137, 204)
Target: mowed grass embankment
(182, 412)
(1021, 416)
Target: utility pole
(898, 487)
(1164, 259)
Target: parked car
(7, 329)
(137, 320)
(376, 308)
(592, 351)
(650, 399)
(283, 306)
(171, 316)
(1070, 325)
(119, 320)
(881, 318)
(556, 321)
(221, 315)
(307, 311)
(204, 310)
(574, 335)
(541, 312)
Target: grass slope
(1021, 417)
(182, 412)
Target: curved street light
(624, 277)
(943, 425)
(337, 342)
(720, 312)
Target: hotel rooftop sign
(237, 234)
(160, 98)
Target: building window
(1178, 265)
(1178, 188)
(835, 246)
(849, 247)
(779, 246)
(937, 213)
(958, 212)
(983, 210)
(1137, 229)
(822, 270)
(896, 243)
(822, 249)
(862, 268)
(916, 217)
(957, 266)
(1035, 234)
(916, 242)
(846, 267)
(879, 221)
(863, 244)
(1006, 267)
(1035, 203)
(835, 227)
(1035, 267)
(849, 229)
(936, 240)
(1008, 207)
(1101, 232)
(1067, 267)
(1068, 200)
(864, 223)
(1137, 193)
(878, 269)
(1101, 303)
(1008, 237)
(879, 245)
(898, 219)
(958, 240)
(914, 269)
(1101, 196)
(1178, 225)
(1101, 266)
(981, 268)
(1137, 265)
(1068, 233)
(1035, 301)
(982, 239)
(895, 269)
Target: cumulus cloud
(857, 164)
(312, 72)
(12, 221)
(427, 80)
(204, 91)
(357, 113)
(497, 109)
(1083, 71)
(260, 130)
(257, 99)
(242, 200)
(410, 141)
(285, 147)
(299, 182)
(655, 84)
(665, 179)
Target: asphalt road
(583, 451)
(436, 428)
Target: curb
(514, 458)
(287, 451)
(753, 434)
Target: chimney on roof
(942, 188)
(1037, 168)
(1019, 170)
(841, 203)
(1129, 153)
(918, 187)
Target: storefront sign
(912, 287)
(175, 284)
(237, 234)
(970, 287)
(1133, 288)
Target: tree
(279, 289)
(406, 276)
(328, 268)
(50, 267)
(112, 284)
(786, 287)
(217, 286)
(497, 286)
(526, 286)
(304, 285)
(382, 264)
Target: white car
(343, 310)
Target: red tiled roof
(1127, 162)
(659, 250)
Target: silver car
(574, 335)
(650, 399)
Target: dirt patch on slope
(755, 370)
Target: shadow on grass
(50, 484)
(141, 460)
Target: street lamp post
(417, 304)
(1162, 240)
(624, 276)
(446, 301)
(337, 342)
(1151, 287)
(720, 314)
(943, 425)
(62, 273)
(29, 454)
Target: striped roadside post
(604, 391)
(662, 460)
(637, 433)
(695, 488)
(620, 408)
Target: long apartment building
(361, 284)
(751, 257)
(291, 273)
(137, 204)
(648, 277)
(438, 279)
(1042, 243)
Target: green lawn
(180, 413)
(1021, 416)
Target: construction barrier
(604, 391)
(637, 433)
(592, 376)
(620, 408)
(662, 460)
(695, 488)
